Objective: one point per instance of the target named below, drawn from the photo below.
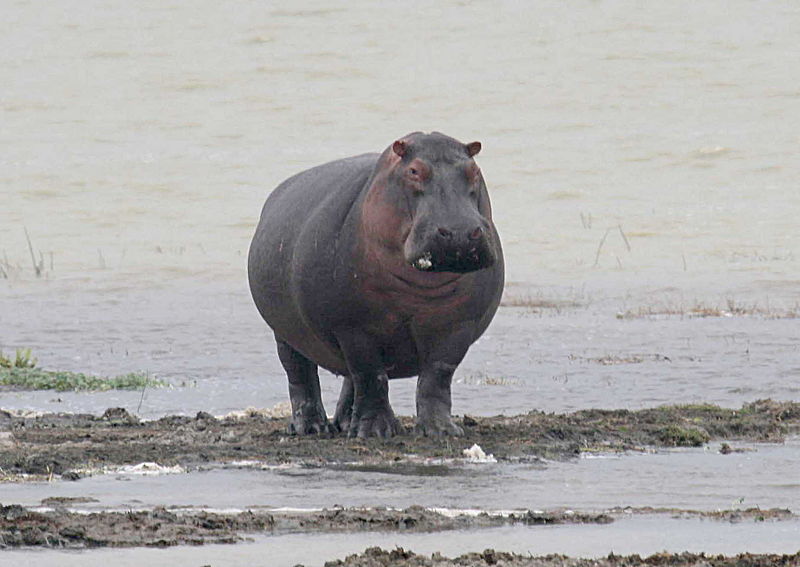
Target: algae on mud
(66, 444)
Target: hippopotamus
(375, 267)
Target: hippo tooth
(423, 262)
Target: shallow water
(691, 479)
(217, 353)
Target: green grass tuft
(28, 378)
(22, 359)
(676, 436)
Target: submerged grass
(702, 310)
(37, 379)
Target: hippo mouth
(427, 283)
(423, 263)
(457, 261)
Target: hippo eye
(413, 171)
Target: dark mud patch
(66, 444)
(60, 528)
(65, 501)
(376, 557)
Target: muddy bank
(376, 557)
(70, 444)
(56, 526)
(60, 528)
(731, 515)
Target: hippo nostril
(476, 234)
(444, 232)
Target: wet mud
(376, 557)
(62, 528)
(55, 525)
(72, 445)
(733, 515)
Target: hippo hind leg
(344, 408)
(371, 414)
(308, 414)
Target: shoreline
(72, 445)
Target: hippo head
(448, 225)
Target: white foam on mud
(590, 456)
(258, 465)
(141, 469)
(472, 512)
(476, 454)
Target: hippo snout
(454, 250)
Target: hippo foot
(441, 426)
(309, 423)
(341, 422)
(378, 423)
(433, 417)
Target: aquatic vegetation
(702, 310)
(614, 359)
(540, 303)
(674, 435)
(21, 373)
(481, 379)
(29, 378)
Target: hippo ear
(473, 148)
(400, 148)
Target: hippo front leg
(371, 413)
(434, 401)
(308, 415)
(441, 355)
